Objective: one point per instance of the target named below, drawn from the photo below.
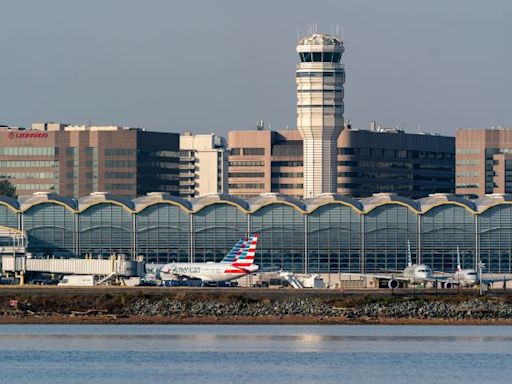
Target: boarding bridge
(12, 241)
(291, 279)
(114, 266)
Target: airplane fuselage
(466, 277)
(205, 271)
(418, 273)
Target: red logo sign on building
(27, 135)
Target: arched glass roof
(276, 198)
(488, 201)
(378, 199)
(104, 197)
(436, 199)
(152, 198)
(199, 203)
(331, 198)
(10, 201)
(44, 197)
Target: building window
(119, 152)
(28, 151)
(254, 151)
(246, 163)
(246, 174)
(247, 186)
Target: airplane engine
(448, 285)
(392, 284)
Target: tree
(7, 189)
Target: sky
(214, 66)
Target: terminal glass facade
(443, 229)
(495, 238)
(50, 229)
(387, 230)
(8, 217)
(217, 228)
(314, 237)
(334, 239)
(163, 233)
(105, 229)
(281, 243)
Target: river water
(254, 354)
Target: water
(254, 354)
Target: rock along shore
(202, 308)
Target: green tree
(7, 189)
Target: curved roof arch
(48, 198)
(202, 202)
(258, 202)
(10, 202)
(439, 199)
(487, 202)
(96, 198)
(153, 198)
(382, 199)
(330, 198)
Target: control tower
(320, 78)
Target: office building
(326, 234)
(203, 165)
(484, 161)
(368, 162)
(320, 78)
(74, 160)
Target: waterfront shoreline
(250, 306)
(267, 320)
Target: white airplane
(237, 263)
(412, 273)
(462, 277)
(468, 277)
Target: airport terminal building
(326, 234)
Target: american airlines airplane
(237, 263)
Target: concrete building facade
(203, 165)
(77, 159)
(484, 161)
(320, 77)
(368, 162)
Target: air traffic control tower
(320, 77)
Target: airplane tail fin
(409, 256)
(235, 251)
(459, 267)
(246, 256)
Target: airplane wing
(378, 276)
(491, 281)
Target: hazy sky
(214, 66)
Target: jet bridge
(114, 266)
